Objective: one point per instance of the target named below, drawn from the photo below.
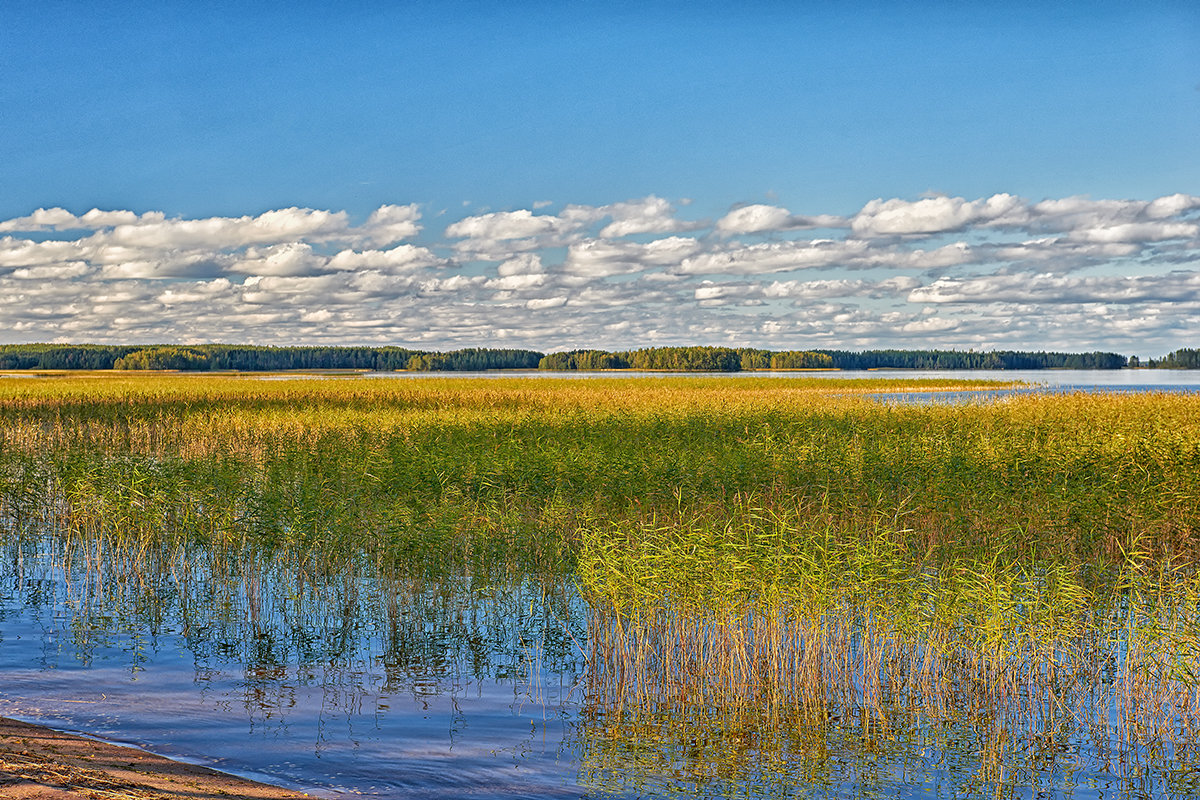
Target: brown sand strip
(37, 763)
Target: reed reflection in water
(388, 684)
(771, 650)
(425, 685)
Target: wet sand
(37, 763)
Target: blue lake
(460, 688)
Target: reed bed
(785, 550)
(508, 470)
(799, 619)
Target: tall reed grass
(508, 470)
(786, 547)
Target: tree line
(957, 359)
(726, 359)
(687, 359)
(1184, 358)
(251, 358)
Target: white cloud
(66, 270)
(196, 292)
(40, 220)
(602, 257)
(760, 218)
(522, 272)
(1137, 232)
(648, 215)
(117, 263)
(1069, 272)
(270, 227)
(930, 325)
(776, 257)
(1178, 286)
(521, 265)
(293, 258)
(934, 215)
(402, 258)
(59, 219)
(500, 225)
(822, 289)
(389, 224)
(549, 302)
(24, 253)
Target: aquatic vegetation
(785, 556)
(794, 620)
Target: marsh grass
(778, 547)
(510, 469)
(803, 618)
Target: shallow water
(438, 697)
(450, 688)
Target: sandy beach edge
(39, 763)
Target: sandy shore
(37, 763)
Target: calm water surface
(389, 689)
(448, 688)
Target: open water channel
(361, 686)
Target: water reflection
(674, 750)
(357, 680)
(437, 686)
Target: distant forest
(727, 359)
(248, 358)
(1185, 358)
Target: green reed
(802, 613)
(784, 555)
(489, 470)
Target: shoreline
(39, 763)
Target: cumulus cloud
(59, 219)
(994, 271)
(388, 224)
(763, 218)
(402, 258)
(1176, 286)
(521, 265)
(1075, 213)
(500, 235)
(293, 258)
(649, 215)
(787, 256)
(1085, 218)
(934, 215)
(824, 289)
(774, 257)
(601, 257)
(501, 225)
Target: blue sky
(564, 174)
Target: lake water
(395, 690)
(453, 688)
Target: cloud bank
(994, 272)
